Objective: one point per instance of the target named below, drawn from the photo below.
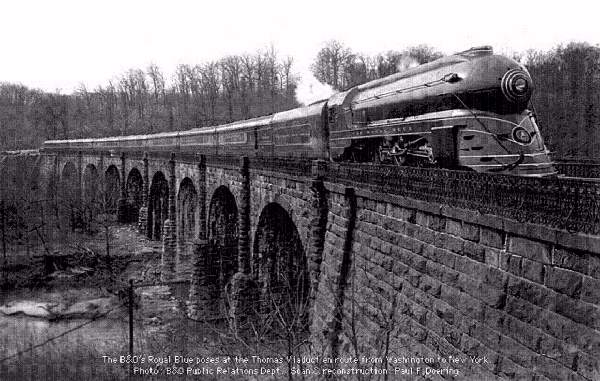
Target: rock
(31, 308)
(81, 270)
(88, 309)
(70, 272)
(155, 320)
(60, 274)
(146, 251)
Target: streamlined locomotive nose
(517, 86)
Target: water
(69, 356)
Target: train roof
(297, 113)
(247, 123)
(197, 131)
(168, 134)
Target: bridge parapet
(568, 204)
(227, 162)
(580, 169)
(299, 168)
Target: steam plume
(406, 62)
(310, 90)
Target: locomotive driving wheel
(400, 160)
(398, 153)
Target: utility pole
(3, 236)
(130, 307)
(3, 242)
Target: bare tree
(247, 84)
(211, 80)
(271, 76)
(331, 62)
(422, 53)
(230, 74)
(288, 81)
(158, 91)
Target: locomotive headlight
(516, 86)
(521, 135)
(520, 85)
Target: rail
(295, 167)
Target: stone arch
(68, 178)
(158, 205)
(280, 267)
(187, 207)
(68, 191)
(90, 184)
(53, 182)
(135, 188)
(112, 189)
(4, 166)
(222, 240)
(90, 191)
(34, 175)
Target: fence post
(42, 220)
(131, 326)
(3, 243)
(3, 234)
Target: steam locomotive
(464, 111)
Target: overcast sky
(60, 43)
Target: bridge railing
(578, 169)
(562, 203)
(295, 167)
(226, 161)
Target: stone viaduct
(406, 262)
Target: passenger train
(469, 111)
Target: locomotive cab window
(332, 115)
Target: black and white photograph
(299, 190)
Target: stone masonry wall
(291, 194)
(415, 279)
(327, 318)
(216, 177)
(46, 174)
